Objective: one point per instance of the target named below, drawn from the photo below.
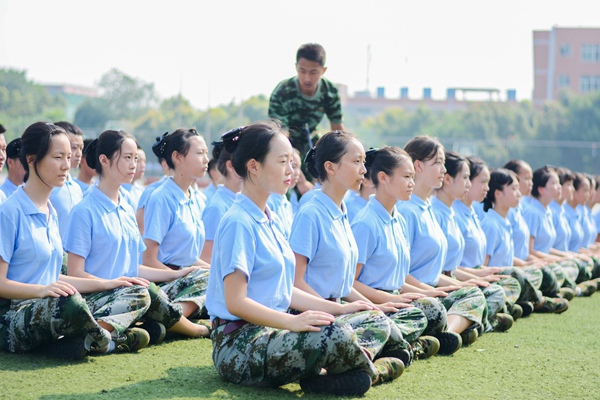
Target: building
(565, 59)
(73, 94)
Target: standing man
(300, 102)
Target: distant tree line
(565, 132)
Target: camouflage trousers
(27, 324)
(162, 309)
(576, 271)
(498, 297)
(426, 317)
(267, 357)
(530, 279)
(467, 302)
(553, 277)
(191, 287)
(120, 307)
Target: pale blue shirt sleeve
(9, 231)
(366, 241)
(304, 238)
(211, 217)
(494, 238)
(78, 234)
(235, 249)
(158, 217)
(533, 222)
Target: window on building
(590, 52)
(565, 50)
(589, 83)
(563, 81)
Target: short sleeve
(234, 248)
(366, 241)
(158, 218)
(78, 235)
(492, 238)
(211, 217)
(9, 226)
(533, 223)
(409, 224)
(304, 238)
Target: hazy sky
(220, 51)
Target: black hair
(540, 179)
(311, 52)
(14, 148)
(108, 143)
(70, 128)
(593, 183)
(455, 163)
(2, 129)
(221, 156)
(177, 141)
(565, 175)
(330, 147)
(385, 160)
(515, 166)
(423, 148)
(36, 141)
(476, 165)
(250, 142)
(499, 179)
(579, 178)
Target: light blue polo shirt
(250, 241)
(587, 223)
(64, 199)
(134, 192)
(354, 203)
(539, 221)
(8, 187)
(30, 242)
(445, 217)
(561, 225)
(281, 206)
(576, 237)
(221, 201)
(106, 235)
(2, 197)
(382, 246)
(597, 220)
(321, 232)
(469, 225)
(174, 221)
(308, 195)
(520, 232)
(427, 243)
(209, 191)
(498, 235)
(294, 201)
(82, 185)
(478, 208)
(148, 192)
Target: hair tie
(370, 156)
(310, 156)
(158, 148)
(91, 147)
(231, 138)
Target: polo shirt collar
(103, 200)
(420, 202)
(251, 208)
(462, 208)
(176, 191)
(380, 210)
(330, 206)
(27, 204)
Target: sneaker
(156, 330)
(353, 383)
(132, 340)
(470, 335)
(587, 289)
(596, 281)
(450, 342)
(403, 355)
(389, 368)
(566, 293)
(527, 308)
(516, 312)
(425, 347)
(552, 305)
(68, 349)
(503, 322)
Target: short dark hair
(565, 175)
(108, 143)
(385, 160)
(499, 179)
(70, 128)
(454, 163)
(221, 156)
(515, 166)
(330, 147)
(476, 165)
(14, 148)
(540, 179)
(423, 148)
(579, 178)
(251, 142)
(2, 129)
(175, 141)
(36, 141)
(312, 52)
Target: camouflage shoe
(552, 305)
(566, 293)
(404, 355)
(425, 347)
(516, 312)
(503, 322)
(450, 342)
(527, 308)
(586, 289)
(470, 335)
(156, 330)
(389, 368)
(353, 383)
(132, 340)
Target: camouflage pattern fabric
(551, 282)
(436, 314)
(191, 287)
(431, 320)
(411, 322)
(27, 324)
(120, 307)
(294, 110)
(267, 357)
(162, 309)
(468, 302)
(529, 290)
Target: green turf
(541, 357)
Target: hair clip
(158, 148)
(370, 156)
(310, 156)
(231, 137)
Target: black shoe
(403, 355)
(516, 312)
(527, 308)
(450, 342)
(156, 330)
(353, 383)
(503, 322)
(470, 335)
(68, 349)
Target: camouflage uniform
(191, 287)
(254, 355)
(162, 309)
(120, 307)
(27, 324)
(429, 318)
(467, 302)
(553, 279)
(530, 279)
(294, 109)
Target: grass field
(541, 357)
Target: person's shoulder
(328, 85)
(285, 87)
